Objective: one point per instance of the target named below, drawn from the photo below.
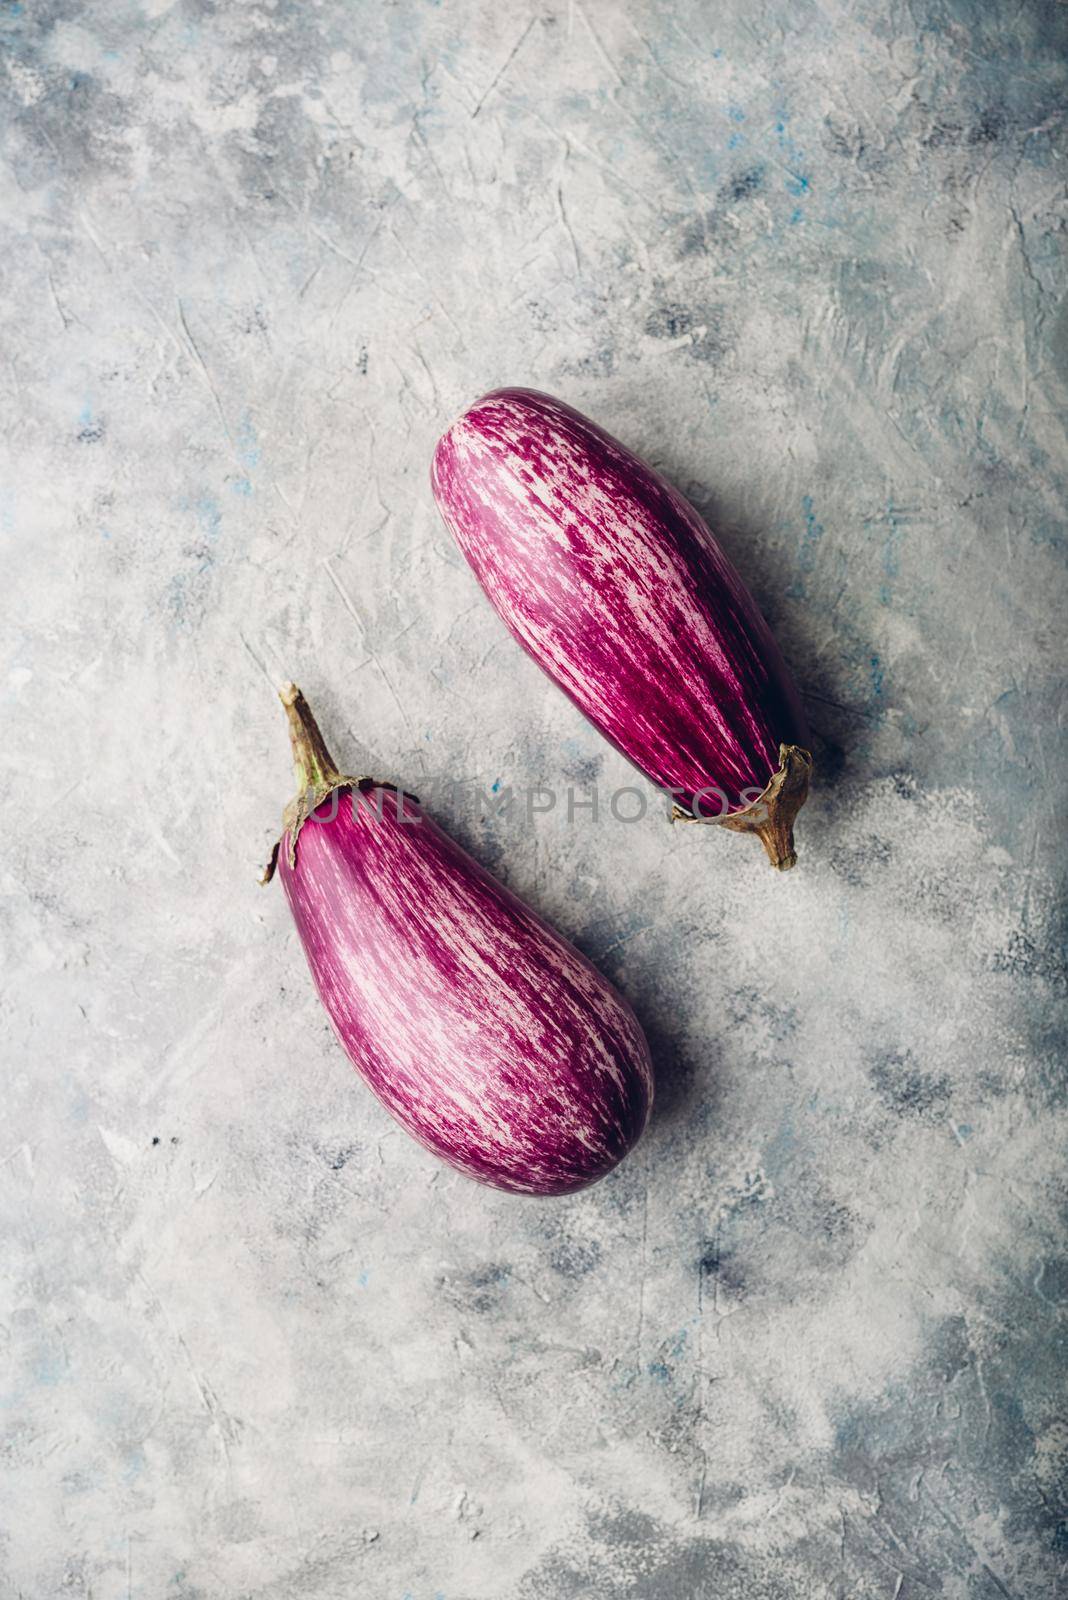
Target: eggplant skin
(619, 591)
(492, 1041)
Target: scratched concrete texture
(807, 259)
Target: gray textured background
(806, 257)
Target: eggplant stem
(771, 817)
(317, 777)
(313, 764)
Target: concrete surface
(809, 1341)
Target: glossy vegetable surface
(617, 588)
(488, 1036)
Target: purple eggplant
(488, 1036)
(617, 588)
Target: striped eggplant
(488, 1036)
(617, 588)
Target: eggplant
(492, 1041)
(618, 589)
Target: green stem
(312, 762)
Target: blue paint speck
(678, 1343)
(806, 555)
(843, 927)
(891, 549)
(877, 675)
(797, 215)
(208, 514)
(363, 1279)
(242, 486)
(47, 1372)
(248, 449)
